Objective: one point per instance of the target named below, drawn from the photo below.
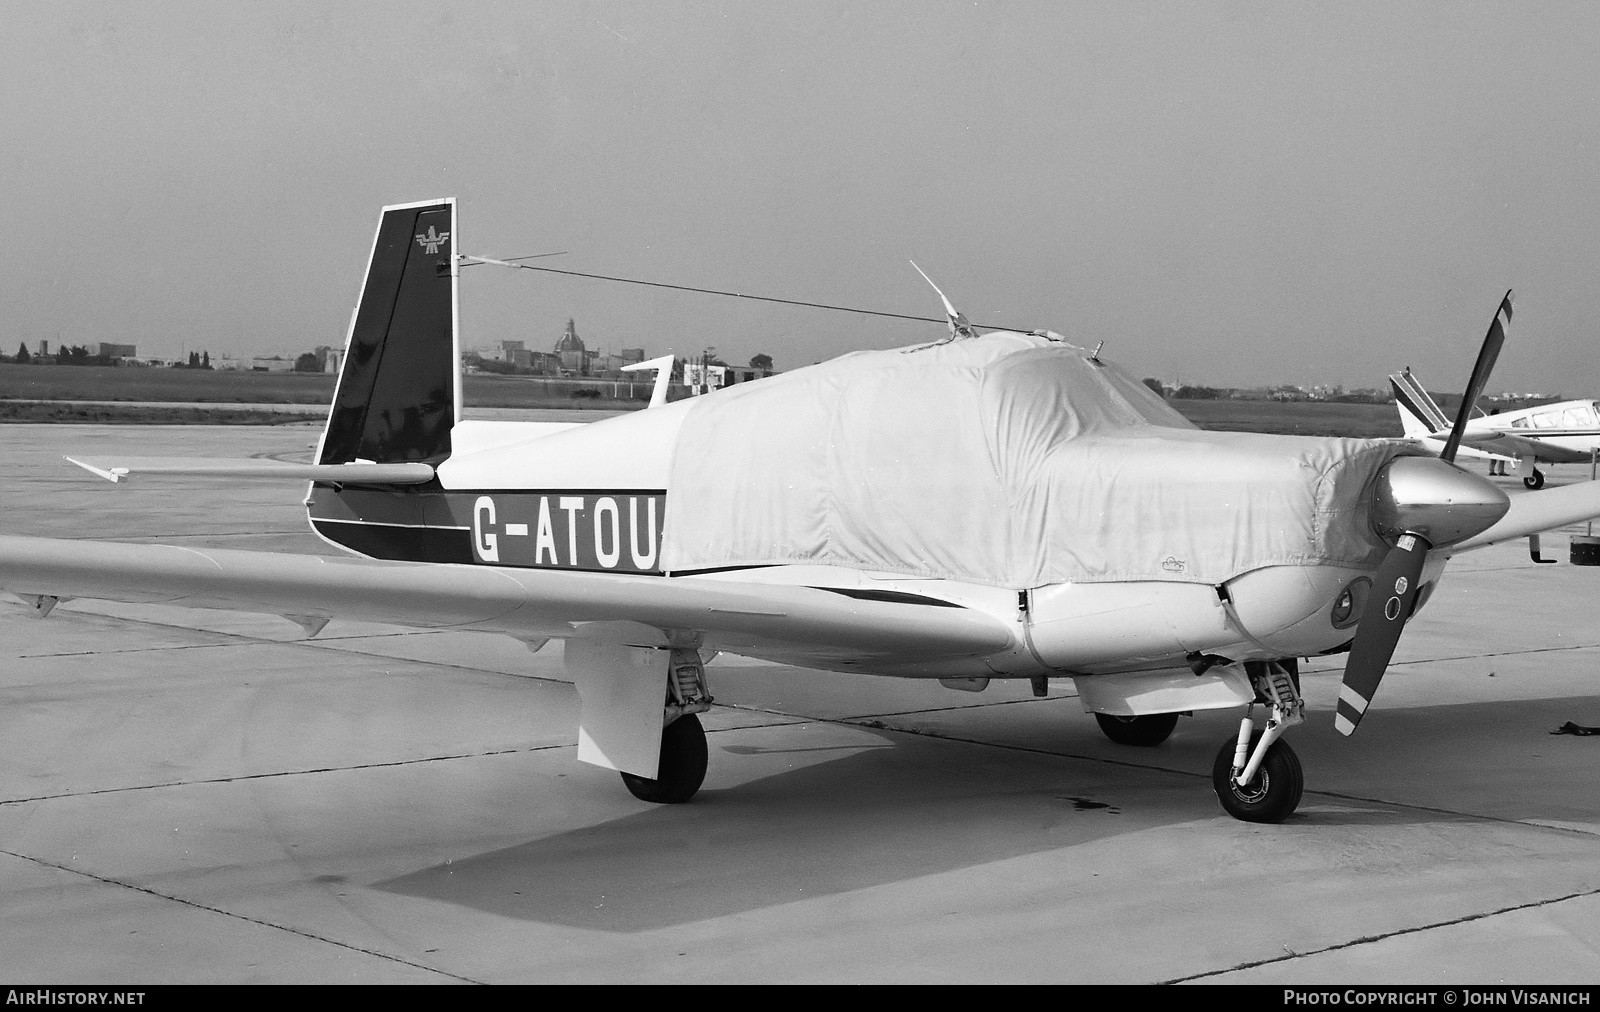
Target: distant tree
(22, 354)
(761, 361)
(205, 360)
(1155, 384)
(1197, 394)
(194, 360)
(307, 363)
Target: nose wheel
(1535, 480)
(1271, 795)
(1256, 774)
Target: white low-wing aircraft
(996, 506)
(1563, 433)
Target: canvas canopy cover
(1012, 460)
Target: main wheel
(683, 764)
(1151, 729)
(1272, 796)
(1535, 480)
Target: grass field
(193, 386)
(1295, 418)
(197, 386)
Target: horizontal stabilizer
(407, 473)
(663, 367)
(1534, 512)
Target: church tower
(570, 349)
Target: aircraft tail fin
(399, 391)
(1419, 415)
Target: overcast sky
(1231, 193)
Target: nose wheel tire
(1535, 480)
(682, 768)
(1146, 731)
(1272, 795)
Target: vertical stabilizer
(1419, 415)
(399, 388)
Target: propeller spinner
(1422, 503)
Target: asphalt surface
(209, 797)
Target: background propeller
(1492, 342)
(1421, 503)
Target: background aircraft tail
(399, 389)
(1419, 415)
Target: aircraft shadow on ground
(1490, 759)
(876, 816)
(923, 807)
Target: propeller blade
(1389, 604)
(1490, 351)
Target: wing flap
(519, 602)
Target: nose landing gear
(1257, 777)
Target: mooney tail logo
(614, 531)
(431, 240)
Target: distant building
(117, 352)
(328, 359)
(608, 365)
(271, 363)
(569, 348)
(512, 353)
(702, 378)
(631, 356)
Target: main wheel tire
(1535, 480)
(1146, 731)
(1272, 796)
(683, 765)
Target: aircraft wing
(1466, 451)
(1485, 445)
(1544, 511)
(1503, 444)
(531, 604)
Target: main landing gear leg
(1256, 776)
(683, 740)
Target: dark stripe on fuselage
(397, 543)
(591, 530)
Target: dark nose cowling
(1435, 500)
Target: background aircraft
(998, 506)
(1563, 433)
